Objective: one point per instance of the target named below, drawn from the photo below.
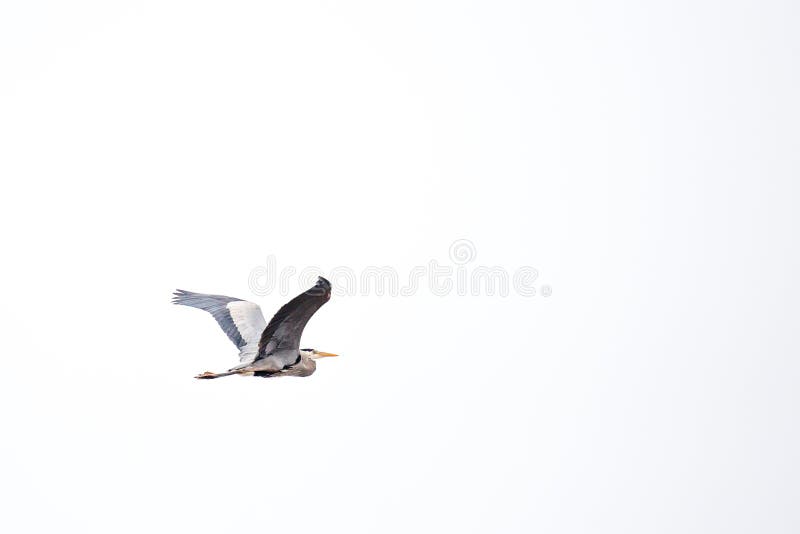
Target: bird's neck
(306, 367)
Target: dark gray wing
(242, 321)
(284, 330)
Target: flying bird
(266, 350)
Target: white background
(642, 155)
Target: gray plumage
(286, 327)
(264, 349)
(217, 306)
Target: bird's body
(305, 367)
(266, 350)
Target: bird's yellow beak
(320, 354)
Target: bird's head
(315, 354)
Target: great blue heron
(266, 350)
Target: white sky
(643, 156)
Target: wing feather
(285, 328)
(241, 320)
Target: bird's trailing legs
(209, 374)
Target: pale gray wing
(281, 337)
(241, 320)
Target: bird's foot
(207, 374)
